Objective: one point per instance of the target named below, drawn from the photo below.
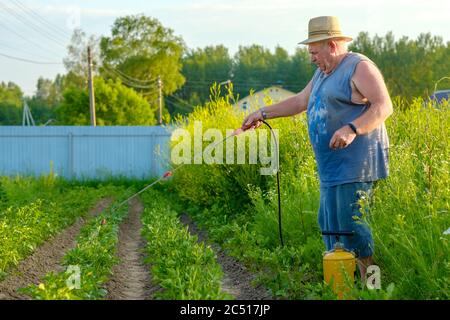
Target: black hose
(278, 182)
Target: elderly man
(347, 103)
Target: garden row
(34, 210)
(178, 264)
(182, 267)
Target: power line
(181, 101)
(28, 60)
(237, 86)
(135, 79)
(22, 51)
(242, 82)
(63, 34)
(31, 25)
(135, 86)
(180, 106)
(24, 38)
(201, 81)
(173, 99)
(144, 94)
(126, 81)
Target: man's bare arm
(369, 82)
(289, 107)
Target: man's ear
(332, 45)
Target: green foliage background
(140, 49)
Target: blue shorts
(339, 211)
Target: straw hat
(323, 28)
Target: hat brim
(322, 38)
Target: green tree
(253, 69)
(410, 67)
(115, 105)
(202, 68)
(281, 64)
(76, 62)
(300, 71)
(50, 92)
(48, 96)
(139, 50)
(10, 104)
(256, 68)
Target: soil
(131, 278)
(45, 258)
(237, 280)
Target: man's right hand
(252, 121)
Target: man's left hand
(342, 138)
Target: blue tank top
(330, 108)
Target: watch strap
(353, 127)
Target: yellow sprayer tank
(339, 266)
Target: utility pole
(160, 99)
(27, 118)
(91, 88)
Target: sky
(40, 30)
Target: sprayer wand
(235, 133)
(170, 173)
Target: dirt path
(46, 258)
(131, 278)
(237, 280)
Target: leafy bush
(409, 213)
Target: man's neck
(336, 61)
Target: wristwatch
(263, 113)
(353, 127)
